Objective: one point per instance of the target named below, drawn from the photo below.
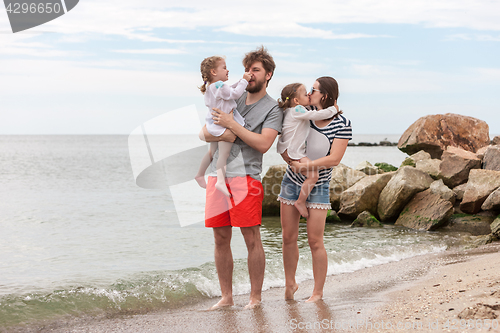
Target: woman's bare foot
(201, 181)
(301, 207)
(223, 188)
(221, 304)
(314, 298)
(252, 304)
(290, 291)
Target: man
(263, 120)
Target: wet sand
(419, 291)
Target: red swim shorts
(243, 209)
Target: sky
(108, 66)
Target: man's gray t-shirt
(243, 159)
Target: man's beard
(257, 87)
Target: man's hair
(264, 57)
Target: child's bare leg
(205, 162)
(307, 186)
(224, 150)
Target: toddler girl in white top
(222, 96)
(292, 142)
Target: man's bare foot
(314, 298)
(201, 181)
(222, 304)
(252, 305)
(301, 207)
(289, 292)
(223, 188)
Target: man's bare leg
(256, 263)
(224, 264)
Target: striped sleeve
(343, 129)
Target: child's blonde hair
(288, 94)
(206, 66)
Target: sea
(79, 236)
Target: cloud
(474, 37)
(152, 51)
(138, 20)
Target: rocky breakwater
(451, 180)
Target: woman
(326, 145)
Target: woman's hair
(206, 66)
(287, 94)
(330, 88)
(264, 57)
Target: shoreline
(418, 289)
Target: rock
(425, 211)
(367, 168)
(476, 225)
(439, 188)
(495, 227)
(456, 165)
(491, 159)
(492, 202)
(459, 191)
(496, 140)
(480, 311)
(386, 167)
(343, 177)
(271, 183)
(413, 159)
(366, 219)
(400, 189)
(433, 133)
(332, 217)
(480, 185)
(363, 195)
(477, 241)
(480, 152)
(429, 166)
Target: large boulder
(476, 225)
(492, 202)
(433, 133)
(491, 159)
(271, 183)
(480, 185)
(400, 189)
(456, 165)
(429, 166)
(496, 140)
(425, 211)
(495, 227)
(363, 195)
(438, 187)
(343, 177)
(366, 219)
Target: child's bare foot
(223, 188)
(301, 207)
(221, 304)
(201, 181)
(314, 298)
(290, 291)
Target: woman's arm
(333, 159)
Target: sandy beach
(433, 292)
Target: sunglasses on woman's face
(313, 90)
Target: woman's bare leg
(307, 186)
(290, 233)
(224, 150)
(315, 231)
